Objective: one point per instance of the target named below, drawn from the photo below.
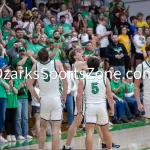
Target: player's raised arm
(109, 96)
(30, 83)
(137, 83)
(62, 75)
(79, 96)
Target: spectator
(139, 41)
(19, 18)
(70, 8)
(23, 9)
(140, 22)
(116, 53)
(38, 29)
(103, 34)
(71, 89)
(133, 20)
(42, 10)
(66, 13)
(77, 6)
(144, 47)
(49, 29)
(22, 110)
(148, 20)
(19, 37)
(28, 25)
(35, 47)
(124, 39)
(48, 15)
(146, 31)
(3, 87)
(35, 111)
(11, 106)
(94, 7)
(43, 41)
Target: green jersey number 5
(95, 88)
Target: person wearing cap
(35, 47)
(19, 37)
(49, 29)
(25, 59)
(54, 53)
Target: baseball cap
(34, 8)
(21, 49)
(74, 39)
(35, 35)
(51, 41)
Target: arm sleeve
(108, 49)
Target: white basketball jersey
(95, 88)
(48, 79)
(146, 80)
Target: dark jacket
(113, 50)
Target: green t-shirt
(130, 87)
(86, 52)
(89, 22)
(2, 90)
(60, 42)
(66, 27)
(5, 34)
(111, 15)
(18, 82)
(11, 43)
(2, 21)
(120, 93)
(27, 66)
(43, 46)
(35, 48)
(12, 100)
(49, 30)
(57, 56)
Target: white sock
(67, 147)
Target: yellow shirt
(142, 24)
(143, 50)
(124, 39)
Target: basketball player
(78, 65)
(50, 97)
(95, 87)
(144, 69)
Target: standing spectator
(19, 18)
(35, 47)
(54, 7)
(139, 41)
(118, 11)
(133, 20)
(116, 53)
(11, 107)
(71, 89)
(23, 9)
(123, 23)
(148, 20)
(5, 13)
(3, 87)
(124, 39)
(42, 10)
(49, 29)
(48, 15)
(103, 34)
(77, 6)
(64, 11)
(70, 8)
(22, 110)
(93, 7)
(140, 22)
(19, 37)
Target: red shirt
(117, 19)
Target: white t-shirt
(100, 30)
(31, 27)
(34, 101)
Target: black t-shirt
(53, 5)
(95, 9)
(121, 25)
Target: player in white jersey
(143, 73)
(96, 87)
(48, 73)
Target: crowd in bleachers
(61, 27)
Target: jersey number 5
(95, 88)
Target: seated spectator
(3, 95)
(48, 15)
(129, 96)
(35, 47)
(118, 88)
(22, 110)
(39, 29)
(43, 41)
(11, 106)
(148, 20)
(19, 17)
(140, 22)
(146, 31)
